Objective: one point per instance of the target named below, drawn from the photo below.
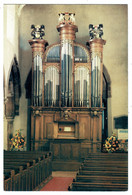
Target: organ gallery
(67, 85)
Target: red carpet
(58, 184)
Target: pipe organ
(67, 85)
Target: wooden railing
(25, 171)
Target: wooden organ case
(67, 91)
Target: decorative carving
(37, 31)
(66, 18)
(96, 31)
(65, 114)
(36, 113)
(94, 114)
(67, 27)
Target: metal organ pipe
(96, 48)
(66, 73)
(37, 81)
(96, 82)
(62, 75)
(99, 81)
(81, 83)
(40, 83)
(67, 76)
(51, 84)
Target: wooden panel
(87, 130)
(41, 130)
(56, 151)
(77, 130)
(66, 151)
(49, 130)
(75, 151)
(82, 127)
(47, 119)
(55, 132)
(37, 128)
(84, 152)
(95, 126)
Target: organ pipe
(66, 73)
(96, 82)
(38, 47)
(81, 82)
(37, 81)
(51, 84)
(95, 45)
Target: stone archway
(13, 96)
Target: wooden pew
(84, 186)
(100, 179)
(102, 172)
(101, 168)
(106, 163)
(30, 168)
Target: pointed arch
(13, 91)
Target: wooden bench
(102, 168)
(30, 169)
(102, 172)
(100, 179)
(106, 163)
(83, 186)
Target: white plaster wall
(11, 49)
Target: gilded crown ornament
(37, 31)
(95, 31)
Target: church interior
(65, 78)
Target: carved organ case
(67, 91)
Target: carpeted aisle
(58, 184)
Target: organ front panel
(67, 90)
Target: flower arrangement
(17, 142)
(111, 144)
(123, 145)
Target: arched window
(80, 54)
(53, 54)
(51, 86)
(81, 87)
